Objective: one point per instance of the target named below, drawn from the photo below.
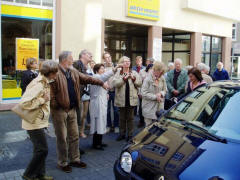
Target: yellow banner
(144, 9)
(26, 48)
(26, 12)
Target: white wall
(173, 15)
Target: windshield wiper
(195, 127)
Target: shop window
(176, 46)
(47, 3)
(21, 1)
(211, 51)
(35, 2)
(13, 28)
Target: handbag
(28, 115)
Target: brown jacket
(59, 88)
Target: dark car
(197, 139)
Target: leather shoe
(120, 137)
(29, 178)
(79, 164)
(66, 169)
(98, 147)
(45, 177)
(104, 145)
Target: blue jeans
(115, 110)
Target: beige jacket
(120, 88)
(207, 78)
(33, 99)
(150, 105)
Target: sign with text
(26, 48)
(143, 9)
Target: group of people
(83, 93)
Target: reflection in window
(35, 2)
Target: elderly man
(65, 98)
(85, 57)
(204, 70)
(220, 73)
(177, 79)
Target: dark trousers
(36, 167)
(115, 111)
(97, 139)
(141, 118)
(126, 116)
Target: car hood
(180, 154)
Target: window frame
(234, 28)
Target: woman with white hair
(204, 70)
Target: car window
(223, 120)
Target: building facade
(195, 31)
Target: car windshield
(219, 115)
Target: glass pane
(184, 56)
(182, 42)
(47, 3)
(215, 59)
(21, 1)
(13, 28)
(8, 0)
(138, 44)
(206, 40)
(35, 2)
(206, 59)
(166, 58)
(236, 68)
(216, 44)
(167, 43)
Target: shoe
(66, 169)
(81, 151)
(98, 147)
(112, 129)
(82, 135)
(116, 129)
(128, 138)
(140, 125)
(104, 145)
(29, 178)
(45, 177)
(120, 137)
(79, 164)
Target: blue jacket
(220, 75)
(134, 68)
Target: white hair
(188, 67)
(178, 60)
(170, 64)
(201, 66)
(220, 63)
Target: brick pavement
(16, 151)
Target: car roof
(191, 107)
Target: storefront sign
(26, 48)
(157, 49)
(143, 9)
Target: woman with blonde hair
(37, 98)
(153, 92)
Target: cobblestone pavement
(16, 152)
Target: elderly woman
(153, 92)
(29, 74)
(37, 96)
(98, 106)
(126, 83)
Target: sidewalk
(16, 152)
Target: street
(16, 151)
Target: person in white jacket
(98, 106)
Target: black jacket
(27, 77)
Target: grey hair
(122, 59)
(49, 66)
(85, 51)
(151, 59)
(30, 62)
(188, 67)
(201, 66)
(170, 64)
(64, 55)
(178, 60)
